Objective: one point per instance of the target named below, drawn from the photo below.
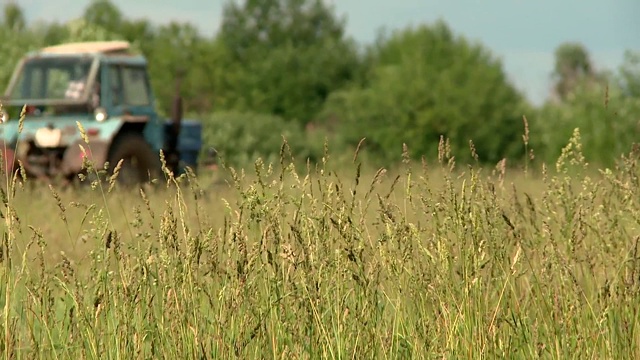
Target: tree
(138, 31)
(286, 56)
(630, 74)
(104, 14)
(606, 117)
(603, 106)
(14, 17)
(15, 40)
(54, 33)
(81, 30)
(177, 48)
(426, 83)
(573, 68)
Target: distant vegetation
(291, 64)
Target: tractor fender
(96, 153)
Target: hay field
(424, 261)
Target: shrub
(241, 138)
(608, 121)
(426, 83)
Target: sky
(522, 33)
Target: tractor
(69, 103)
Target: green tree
(425, 83)
(604, 106)
(14, 17)
(15, 40)
(82, 30)
(177, 50)
(139, 31)
(286, 56)
(606, 117)
(630, 74)
(573, 67)
(54, 33)
(104, 14)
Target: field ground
(409, 263)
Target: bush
(607, 119)
(426, 83)
(242, 137)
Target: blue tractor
(104, 87)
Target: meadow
(425, 260)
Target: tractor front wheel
(140, 163)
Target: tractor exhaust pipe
(177, 112)
(176, 109)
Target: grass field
(425, 261)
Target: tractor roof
(89, 47)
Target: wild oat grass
(428, 261)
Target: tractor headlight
(100, 114)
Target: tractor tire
(140, 165)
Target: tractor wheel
(140, 163)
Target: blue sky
(523, 33)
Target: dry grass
(428, 261)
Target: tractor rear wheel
(140, 163)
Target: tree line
(287, 68)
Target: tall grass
(428, 261)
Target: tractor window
(135, 88)
(33, 84)
(115, 86)
(52, 79)
(129, 86)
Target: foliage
(607, 119)
(178, 49)
(241, 138)
(630, 74)
(13, 17)
(572, 66)
(104, 14)
(286, 56)
(426, 83)
(13, 45)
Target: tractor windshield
(52, 80)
